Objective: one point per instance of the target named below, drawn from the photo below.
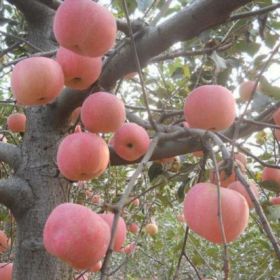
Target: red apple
(79, 71)
(131, 141)
(237, 186)
(76, 235)
(201, 212)
(271, 174)
(120, 235)
(36, 81)
(103, 112)
(246, 89)
(210, 107)
(82, 156)
(16, 122)
(85, 27)
(6, 270)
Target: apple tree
(156, 57)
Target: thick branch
(185, 25)
(10, 154)
(39, 18)
(15, 194)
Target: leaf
(271, 186)
(219, 62)
(155, 170)
(274, 212)
(269, 90)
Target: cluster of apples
(80, 237)
(89, 151)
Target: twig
(123, 199)
(220, 214)
(260, 213)
(255, 13)
(137, 61)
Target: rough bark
(49, 189)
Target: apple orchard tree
(170, 166)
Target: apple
(201, 212)
(151, 229)
(133, 228)
(275, 200)
(205, 105)
(180, 218)
(130, 248)
(103, 112)
(277, 134)
(82, 156)
(246, 90)
(226, 180)
(16, 122)
(74, 117)
(36, 81)
(4, 242)
(6, 270)
(271, 174)
(276, 116)
(131, 141)
(79, 71)
(120, 235)
(135, 202)
(96, 267)
(85, 27)
(76, 235)
(237, 186)
(240, 157)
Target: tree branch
(151, 41)
(10, 154)
(15, 194)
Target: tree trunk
(39, 169)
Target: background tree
(177, 47)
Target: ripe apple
(130, 248)
(4, 242)
(36, 81)
(96, 267)
(82, 156)
(131, 141)
(133, 228)
(79, 71)
(135, 202)
(226, 180)
(246, 89)
(103, 112)
(241, 158)
(76, 235)
(85, 27)
(151, 229)
(276, 116)
(201, 212)
(271, 174)
(237, 186)
(6, 270)
(16, 122)
(275, 200)
(120, 235)
(75, 116)
(180, 218)
(277, 134)
(210, 107)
